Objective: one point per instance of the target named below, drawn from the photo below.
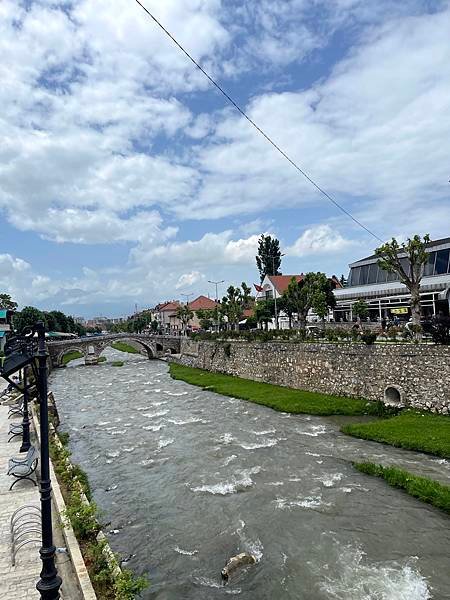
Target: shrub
(82, 517)
(368, 337)
(127, 586)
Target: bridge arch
(149, 348)
(67, 349)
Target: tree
(265, 311)
(27, 317)
(234, 303)
(268, 259)
(391, 257)
(185, 314)
(360, 309)
(7, 302)
(313, 291)
(206, 317)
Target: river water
(187, 478)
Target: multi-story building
(5, 325)
(387, 297)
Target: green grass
(124, 347)
(424, 432)
(72, 355)
(274, 396)
(117, 363)
(422, 488)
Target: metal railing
(25, 528)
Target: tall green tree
(7, 302)
(360, 309)
(27, 317)
(234, 304)
(268, 259)
(313, 291)
(265, 311)
(185, 314)
(411, 271)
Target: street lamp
(216, 283)
(21, 352)
(273, 257)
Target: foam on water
(174, 393)
(229, 459)
(160, 413)
(264, 444)
(357, 579)
(240, 482)
(307, 502)
(186, 421)
(328, 480)
(153, 427)
(314, 431)
(185, 552)
(165, 442)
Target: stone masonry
(407, 375)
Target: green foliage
(360, 309)
(313, 291)
(117, 363)
(127, 586)
(268, 259)
(422, 488)
(185, 314)
(412, 430)
(82, 516)
(264, 310)
(391, 257)
(368, 337)
(276, 397)
(124, 347)
(235, 302)
(7, 302)
(72, 355)
(207, 317)
(102, 359)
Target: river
(187, 478)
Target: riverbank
(411, 430)
(279, 398)
(422, 488)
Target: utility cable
(261, 131)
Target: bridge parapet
(92, 346)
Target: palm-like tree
(185, 314)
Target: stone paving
(19, 582)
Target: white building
(387, 297)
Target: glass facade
(438, 264)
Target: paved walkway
(19, 582)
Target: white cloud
(321, 239)
(188, 279)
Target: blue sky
(124, 178)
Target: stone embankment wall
(406, 375)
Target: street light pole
(216, 283)
(50, 582)
(26, 417)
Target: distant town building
(387, 297)
(200, 303)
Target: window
(382, 275)
(373, 271)
(392, 277)
(441, 265)
(363, 275)
(405, 264)
(355, 275)
(429, 265)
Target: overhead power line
(261, 131)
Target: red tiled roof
(169, 306)
(281, 282)
(202, 303)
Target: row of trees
(54, 320)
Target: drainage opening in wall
(393, 395)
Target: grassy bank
(71, 356)
(107, 582)
(424, 432)
(274, 396)
(124, 347)
(424, 489)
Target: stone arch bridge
(155, 346)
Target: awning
(2, 313)
(2, 334)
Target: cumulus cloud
(188, 279)
(322, 239)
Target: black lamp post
(26, 418)
(20, 352)
(50, 582)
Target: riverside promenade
(19, 582)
